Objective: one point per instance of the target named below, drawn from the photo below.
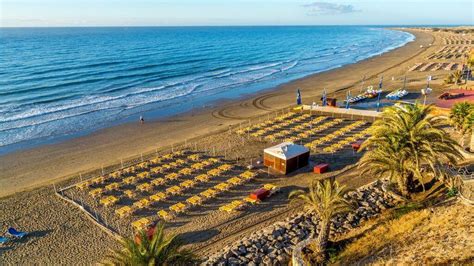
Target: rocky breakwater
(273, 245)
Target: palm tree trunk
(471, 144)
(322, 241)
(402, 186)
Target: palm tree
(459, 112)
(406, 138)
(460, 116)
(468, 128)
(457, 77)
(155, 249)
(326, 200)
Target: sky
(45, 13)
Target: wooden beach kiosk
(286, 157)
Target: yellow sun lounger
(235, 181)
(186, 171)
(130, 193)
(143, 175)
(202, 178)
(206, 163)
(96, 192)
(178, 153)
(168, 156)
(144, 187)
(234, 205)
(143, 203)
(178, 207)
(129, 170)
(248, 175)
(225, 167)
(194, 200)
(174, 164)
(158, 197)
(158, 181)
(222, 187)
(270, 187)
(164, 215)
(197, 166)
(156, 170)
(172, 176)
(214, 172)
(115, 174)
(155, 161)
(109, 200)
(112, 186)
(124, 211)
(130, 180)
(142, 165)
(141, 224)
(209, 193)
(98, 180)
(173, 190)
(166, 167)
(214, 160)
(187, 184)
(251, 200)
(180, 161)
(194, 157)
(84, 185)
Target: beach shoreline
(31, 168)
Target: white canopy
(286, 150)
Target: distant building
(286, 157)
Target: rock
(233, 261)
(267, 261)
(276, 233)
(242, 250)
(283, 259)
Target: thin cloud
(325, 8)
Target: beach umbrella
(324, 98)
(298, 97)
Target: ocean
(57, 83)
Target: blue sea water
(60, 82)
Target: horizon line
(242, 25)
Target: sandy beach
(60, 232)
(43, 165)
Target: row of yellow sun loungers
(303, 130)
(210, 193)
(240, 204)
(280, 127)
(269, 123)
(174, 190)
(180, 207)
(145, 175)
(345, 142)
(340, 144)
(143, 166)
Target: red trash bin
(321, 168)
(260, 194)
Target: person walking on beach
(142, 120)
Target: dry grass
(438, 235)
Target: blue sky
(232, 12)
